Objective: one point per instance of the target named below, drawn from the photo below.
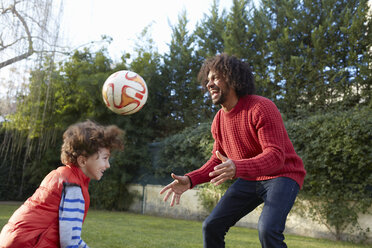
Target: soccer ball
(124, 92)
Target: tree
(335, 53)
(236, 34)
(11, 87)
(27, 27)
(260, 56)
(180, 70)
(316, 53)
(210, 31)
(284, 52)
(148, 63)
(56, 98)
(209, 36)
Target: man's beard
(222, 96)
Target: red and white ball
(124, 92)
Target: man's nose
(210, 84)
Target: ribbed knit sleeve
(201, 175)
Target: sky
(83, 21)
(123, 20)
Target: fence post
(144, 192)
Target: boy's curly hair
(235, 72)
(85, 138)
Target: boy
(54, 214)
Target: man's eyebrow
(211, 76)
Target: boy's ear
(82, 161)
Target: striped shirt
(71, 214)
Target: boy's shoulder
(56, 178)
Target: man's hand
(177, 187)
(224, 171)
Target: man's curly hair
(235, 72)
(85, 138)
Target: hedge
(337, 153)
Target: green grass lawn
(122, 229)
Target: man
(250, 144)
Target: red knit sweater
(253, 136)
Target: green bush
(209, 195)
(185, 151)
(337, 152)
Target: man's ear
(81, 161)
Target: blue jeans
(241, 198)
